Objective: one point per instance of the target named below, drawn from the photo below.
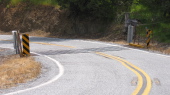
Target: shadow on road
(42, 39)
(76, 51)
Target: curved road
(97, 68)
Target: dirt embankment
(60, 23)
(26, 17)
(53, 22)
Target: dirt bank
(60, 23)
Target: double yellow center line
(144, 81)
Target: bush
(102, 9)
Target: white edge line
(61, 72)
(112, 44)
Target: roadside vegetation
(153, 14)
(90, 19)
(15, 70)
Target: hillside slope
(29, 17)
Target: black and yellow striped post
(148, 35)
(25, 43)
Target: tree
(104, 9)
(157, 14)
(158, 6)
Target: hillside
(56, 22)
(60, 23)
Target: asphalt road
(81, 67)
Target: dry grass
(18, 70)
(38, 33)
(152, 47)
(5, 33)
(168, 50)
(121, 42)
(164, 49)
(160, 49)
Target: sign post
(148, 35)
(25, 42)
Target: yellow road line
(53, 44)
(45, 44)
(148, 79)
(140, 79)
(5, 40)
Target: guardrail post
(14, 39)
(130, 33)
(19, 44)
(25, 42)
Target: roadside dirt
(15, 70)
(59, 23)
